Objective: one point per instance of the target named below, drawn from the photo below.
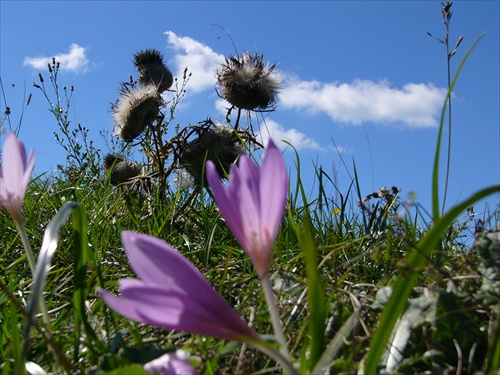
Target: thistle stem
(275, 318)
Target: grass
(331, 269)
(364, 283)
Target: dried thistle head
(219, 144)
(121, 170)
(248, 83)
(152, 69)
(135, 110)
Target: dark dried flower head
(247, 83)
(220, 145)
(135, 110)
(152, 69)
(122, 170)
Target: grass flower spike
(253, 202)
(172, 293)
(15, 174)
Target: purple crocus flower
(15, 174)
(171, 364)
(172, 293)
(253, 202)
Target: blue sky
(362, 80)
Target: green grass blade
(335, 344)
(435, 173)
(316, 299)
(47, 250)
(81, 257)
(417, 260)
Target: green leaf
(416, 261)
(488, 246)
(316, 299)
(326, 360)
(47, 250)
(418, 311)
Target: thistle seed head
(135, 110)
(248, 83)
(122, 170)
(152, 69)
(220, 145)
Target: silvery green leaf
(47, 250)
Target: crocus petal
(273, 189)
(225, 198)
(174, 294)
(171, 364)
(15, 173)
(253, 203)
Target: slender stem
(275, 318)
(32, 264)
(447, 18)
(26, 245)
(288, 367)
(237, 123)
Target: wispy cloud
(75, 61)
(415, 105)
(272, 129)
(200, 60)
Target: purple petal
(171, 364)
(273, 190)
(253, 202)
(15, 173)
(156, 262)
(172, 293)
(226, 201)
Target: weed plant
(364, 282)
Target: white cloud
(416, 105)
(200, 60)
(272, 129)
(74, 61)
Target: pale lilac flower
(171, 364)
(172, 293)
(15, 173)
(253, 202)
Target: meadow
(357, 282)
